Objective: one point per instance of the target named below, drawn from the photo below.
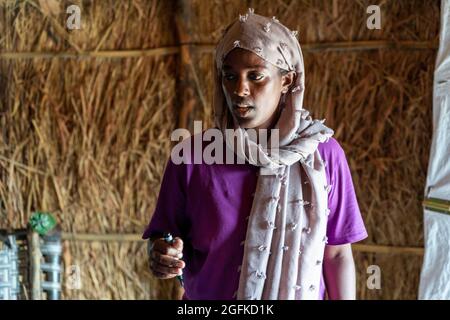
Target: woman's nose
(241, 89)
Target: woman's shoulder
(331, 151)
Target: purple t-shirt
(207, 205)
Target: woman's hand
(164, 258)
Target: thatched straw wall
(87, 138)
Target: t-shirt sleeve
(345, 223)
(169, 214)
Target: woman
(280, 225)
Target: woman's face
(253, 88)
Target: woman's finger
(166, 270)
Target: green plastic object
(42, 222)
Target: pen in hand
(169, 239)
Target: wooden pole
(35, 265)
(102, 237)
(351, 46)
(137, 237)
(370, 45)
(92, 54)
(371, 248)
(187, 80)
(209, 48)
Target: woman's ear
(287, 80)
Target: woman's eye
(256, 76)
(229, 77)
(253, 76)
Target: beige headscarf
(286, 233)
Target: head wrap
(286, 232)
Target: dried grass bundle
(88, 138)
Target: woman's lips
(242, 111)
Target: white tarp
(435, 275)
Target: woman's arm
(339, 272)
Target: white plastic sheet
(435, 275)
